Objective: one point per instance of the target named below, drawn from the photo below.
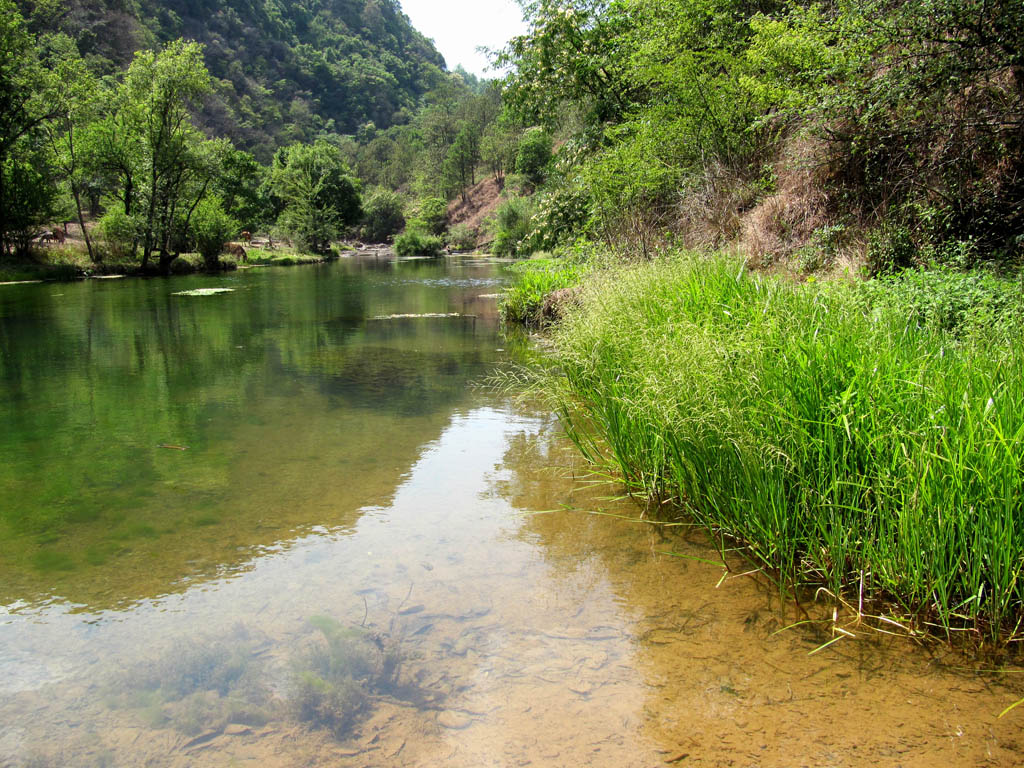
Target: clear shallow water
(160, 606)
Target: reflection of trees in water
(286, 370)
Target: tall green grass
(537, 279)
(861, 438)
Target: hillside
(285, 70)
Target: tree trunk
(76, 193)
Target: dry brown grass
(783, 222)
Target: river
(285, 524)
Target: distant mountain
(287, 69)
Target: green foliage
(212, 227)
(417, 242)
(868, 441)
(512, 227)
(536, 280)
(534, 155)
(461, 237)
(284, 72)
(171, 163)
(119, 233)
(27, 194)
(239, 183)
(562, 213)
(316, 193)
(431, 213)
(948, 300)
(382, 216)
(459, 169)
(573, 54)
(498, 148)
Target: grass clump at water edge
(851, 436)
(536, 281)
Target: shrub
(416, 242)
(534, 155)
(432, 215)
(383, 216)
(212, 227)
(513, 227)
(462, 237)
(119, 233)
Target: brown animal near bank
(236, 250)
(246, 236)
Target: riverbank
(71, 264)
(865, 438)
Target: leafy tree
(316, 193)
(383, 216)
(533, 155)
(173, 168)
(212, 227)
(460, 163)
(574, 52)
(498, 148)
(27, 196)
(239, 183)
(77, 103)
(432, 215)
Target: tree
(383, 216)
(459, 170)
(315, 192)
(76, 101)
(573, 53)
(156, 97)
(27, 196)
(238, 183)
(534, 155)
(212, 227)
(498, 148)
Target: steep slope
(286, 69)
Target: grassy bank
(868, 438)
(73, 263)
(536, 280)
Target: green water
(292, 404)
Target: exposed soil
(481, 201)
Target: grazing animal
(246, 236)
(59, 235)
(236, 250)
(46, 237)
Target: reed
(857, 437)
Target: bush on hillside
(512, 227)
(462, 237)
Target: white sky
(457, 27)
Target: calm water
(281, 526)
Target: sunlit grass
(853, 437)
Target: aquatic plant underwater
(204, 685)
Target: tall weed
(847, 439)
